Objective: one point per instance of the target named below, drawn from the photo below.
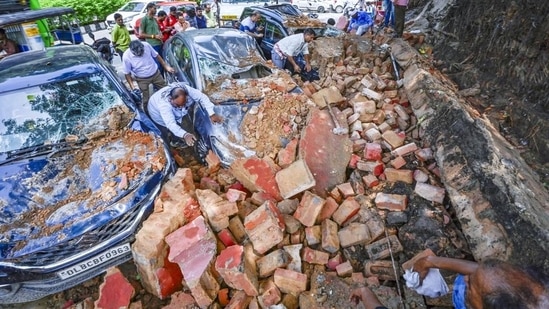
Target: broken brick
(115, 291)
(330, 240)
(256, 175)
(420, 176)
(370, 180)
(346, 210)
(392, 202)
(239, 300)
(404, 150)
(424, 154)
(333, 262)
(375, 168)
(233, 195)
(269, 263)
(289, 281)
(372, 135)
(265, 227)
(429, 192)
(237, 229)
(314, 256)
(394, 139)
(372, 152)
(398, 162)
(309, 208)
(295, 256)
(328, 210)
(380, 249)
(294, 179)
(226, 238)
(287, 207)
(269, 294)
(286, 155)
(313, 234)
(344, 269)
(216, 209)
(354, 234)
(394, 175)
(236, 270)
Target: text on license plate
(94, 261)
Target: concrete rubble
(331, 212)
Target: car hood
(51, 197)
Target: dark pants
(400, 12)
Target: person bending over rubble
(490, 284)
(290, 47)
(169, 105)
(361, 22)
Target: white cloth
(165, 114)
(433, 285)
(293, 45)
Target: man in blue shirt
(249, 25)
(360, 22)
(201, 20)
(169, 105)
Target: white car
(319, 6)
(130, 11)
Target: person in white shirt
(287, 49)
(249, 25)
(169, 105)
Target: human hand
(215, 118)
(169, 69)
(297, 69)
(260, 35)
(422, 267)
(189, 139)
(308, 67)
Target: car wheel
(339, 9)
(320, 9)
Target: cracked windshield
(47, 113)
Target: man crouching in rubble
(290, 48)
(169, 105)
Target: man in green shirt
(150, 31)
(211, 23)
(120, 35)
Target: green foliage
(87, 10)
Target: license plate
(94, 261)
(229, 17)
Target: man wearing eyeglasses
(139, 61)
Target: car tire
(339, 9)
(320, 9)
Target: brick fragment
(236, 270)
(424, 154)
(383, 269)
(290, 301)
(309, 208)
(398, 162)
(313, 234)
(237, 229)
(333, 262)
(372, 135)
(315, 256)
(392, 202)
(358, 278)
(354, 159)
(375, 168)
(379, 117)
(233, 195)
(269, 263)
(346, 210)
(346, 189)
(404, 150)
(286, 155)
(180, 300)
(216, 209)
(344, 269)
(394, 175)
(239, 300)
(380, 249)
(429, 192)
(288, 207)
(328, 210)
(372, 152)
(265, 227)
(370, 180)
(354, 234)
(226, 238)
(295, 257)
(291, 223)
(294, 179)
(394, 139)
(289, 281)
(115, 291)
(358, 145)
(330, 239)
(210, 184)
(420, 176)
(257, 175)
(269, 294)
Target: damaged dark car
(80, 167)
(228, 66)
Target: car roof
(289, 20)
(20, 70)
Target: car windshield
(226, 54)
(133, 7)
(47, 113)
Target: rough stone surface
(294, 179)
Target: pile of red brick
(252, 235)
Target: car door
(179, 57)
(274, 32)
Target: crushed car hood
(60, 195)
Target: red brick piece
(344, 269)
(294, 179)
(269, 263)
(226, 238)
(398, 162)
(256, 175)
(309, 208)
(181, 300)
(216, 209)
(333, 262)
(354, 159)
(354, 234)
(380, 249)
(313, 235)
(328, 210)
(265, 227)
(372, 152)
(115, 291)
(286, 156)
(234, 195)
(239, 301)
(430, 193)
(404, 150)
(346, 210)
(237, 271)
(346, 189)
(269, 294)
(370, 180)
(314, 256)
(289, 281)
(375, 168)
(394, 175)
(330, 240)
(392, 202)
(394, 139)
